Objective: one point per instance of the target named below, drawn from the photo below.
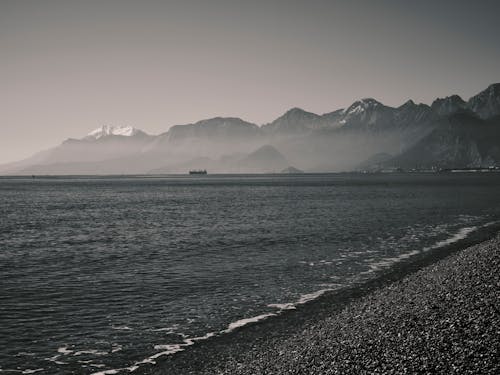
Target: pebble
(442, 319)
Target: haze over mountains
(450, 133)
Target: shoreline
(462, 171)
(221, 354)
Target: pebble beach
(442, 318)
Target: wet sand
(439, 314)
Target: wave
(169, 349)
(305, 298)
(243, 322)
(462, 234)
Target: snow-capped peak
(361, 106)
(105, 130)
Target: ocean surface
(106, 275)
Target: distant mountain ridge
(449, 132)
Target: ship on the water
(198, 172)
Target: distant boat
(198, 172)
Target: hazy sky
(68, 67)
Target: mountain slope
(486, 104)
(229, 127)
(104, 143)
(450, 132)
(294, 121)
(448, 105)
(265, 159)
(464, 140)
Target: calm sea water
(110, 273)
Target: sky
(70, 66)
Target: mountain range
(367, 135)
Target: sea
(108, 275)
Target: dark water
(109, 273)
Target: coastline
(379, 325)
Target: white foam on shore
(282, 306)
(460, 235)
(312, 296)
(243, 322)
(168, 349)
(305, 298)
(386, 262)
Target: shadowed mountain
(101, 144)
(367, 114)
(294, 121)
(449, 132)
(332, 119)
(486, 104)
(449, 105)
(201, 163)
(104, 143)
(464, 140)
(207, 138)
(375, 162)
(218, 127)
(265, 159)
(410, 113)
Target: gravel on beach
(443, 319)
